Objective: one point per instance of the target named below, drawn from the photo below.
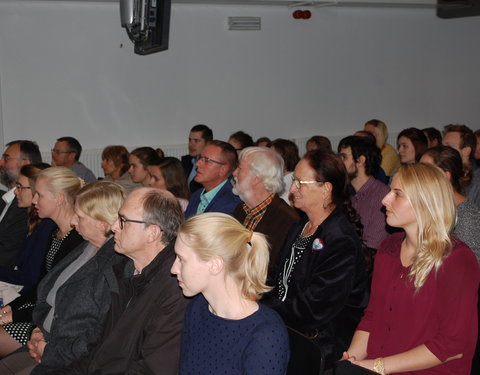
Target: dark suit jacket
(13, 231)
(187, 167)
(225, 201)
(275, 224)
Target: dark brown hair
(418, 139)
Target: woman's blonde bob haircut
(245, 253)
(431, 195)
(63, 181)
(101, 200)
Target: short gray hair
(162, 208)
(267, 165)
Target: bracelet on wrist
(378, 366)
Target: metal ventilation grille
(244, 23)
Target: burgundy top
(368, 203)
(442, 315)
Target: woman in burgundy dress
(422, 315)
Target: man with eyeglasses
(66, 153)
(13, 219)
(258, 180)
(143, 327)
(214, 167)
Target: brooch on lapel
(317, 244)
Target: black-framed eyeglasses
(208, 160)
(122, 220)
(55, 151)
(19, 186)
(299, 183)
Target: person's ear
(102, 226)
(328, 186)
(361, 160)
(154, 233)
(448, 174)
(216, 265)
(59, 199)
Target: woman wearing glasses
(321, 287)
(30, 257)
(55, 191)
(74, 296)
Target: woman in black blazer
(321, 286)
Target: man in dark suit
(214, 168)
(13, 219)
(258, 181)
(197, 140)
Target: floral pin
(317, 244)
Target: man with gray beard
(258, 181)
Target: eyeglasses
(208, 160)
(298, 183)
(19, 186)
(122, 220)
(55, 151)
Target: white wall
(63, 72)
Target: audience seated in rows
(310, 260)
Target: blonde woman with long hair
(422, 315)
(225, 329)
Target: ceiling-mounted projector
(147, 23)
